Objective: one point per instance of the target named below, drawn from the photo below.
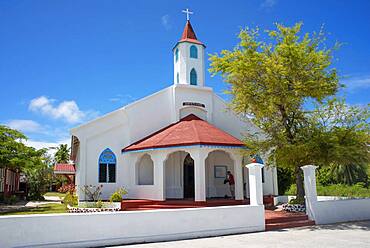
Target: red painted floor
(274, 219)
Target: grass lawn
(60, 195)
(52, 208)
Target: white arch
(145, 170)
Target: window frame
(193, 52)
(192, 77)
(106, 160)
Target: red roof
(190, 130)
(189, 35)
(64, 168)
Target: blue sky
(65, 62)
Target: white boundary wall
(332, 211)
(99, 229)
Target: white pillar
(199, 157)
(81, 170)
(255, 184)
(238, 174)
(159, 176)
(309, 172)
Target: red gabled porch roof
(64, 168)
(190, 130)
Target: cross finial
(188, 13)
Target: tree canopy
(272, 81)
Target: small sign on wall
(220, 171)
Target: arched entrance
(189, 184)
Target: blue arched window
(177, 54)
(193, 77)
(177, 78)
(107, 167)
(193, 52)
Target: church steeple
(189, 57)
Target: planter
(297, 208)
(91, 210)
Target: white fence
(99, 229)
(332, 211)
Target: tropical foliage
(272, 82)
(62, 154)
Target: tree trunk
(299, 183)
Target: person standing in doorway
(231, 181)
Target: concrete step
(283, 219)
(284, 225)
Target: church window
(193, 77)
(145, 171)
(177, 78)
(177, 54)
(107, 167)
(193, 52)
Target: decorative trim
(186, 146)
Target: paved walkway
(355, 234)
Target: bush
(67, 188)
(285, 179)
(70, 199)
(118, 194)
(297, 201)
(342, 190)
(10, 200)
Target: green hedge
(357, 190)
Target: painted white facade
(158, 174)
(184, 63)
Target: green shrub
(12, 199)
(118, 194)
(297, 201)
(99, 204)
(357, 190)
(70, 199)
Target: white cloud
(268, 4)
(66, 110)
(49, 145)
(166, 22)
(26, 126)
(357, 83)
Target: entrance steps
(282, 220)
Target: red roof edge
(189, 117)
(65, 167)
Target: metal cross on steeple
(188, 13)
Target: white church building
(177, 143)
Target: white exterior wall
(103, 229)
(135, 121)
(184, 64)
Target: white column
(159, 175)
(255, 184)
(309, 172)
(81, 170)
(199, 157)
(238, 174)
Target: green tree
(342, 132)
(62, 154)
(34, 163)
(13, 153)
(271, 81)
